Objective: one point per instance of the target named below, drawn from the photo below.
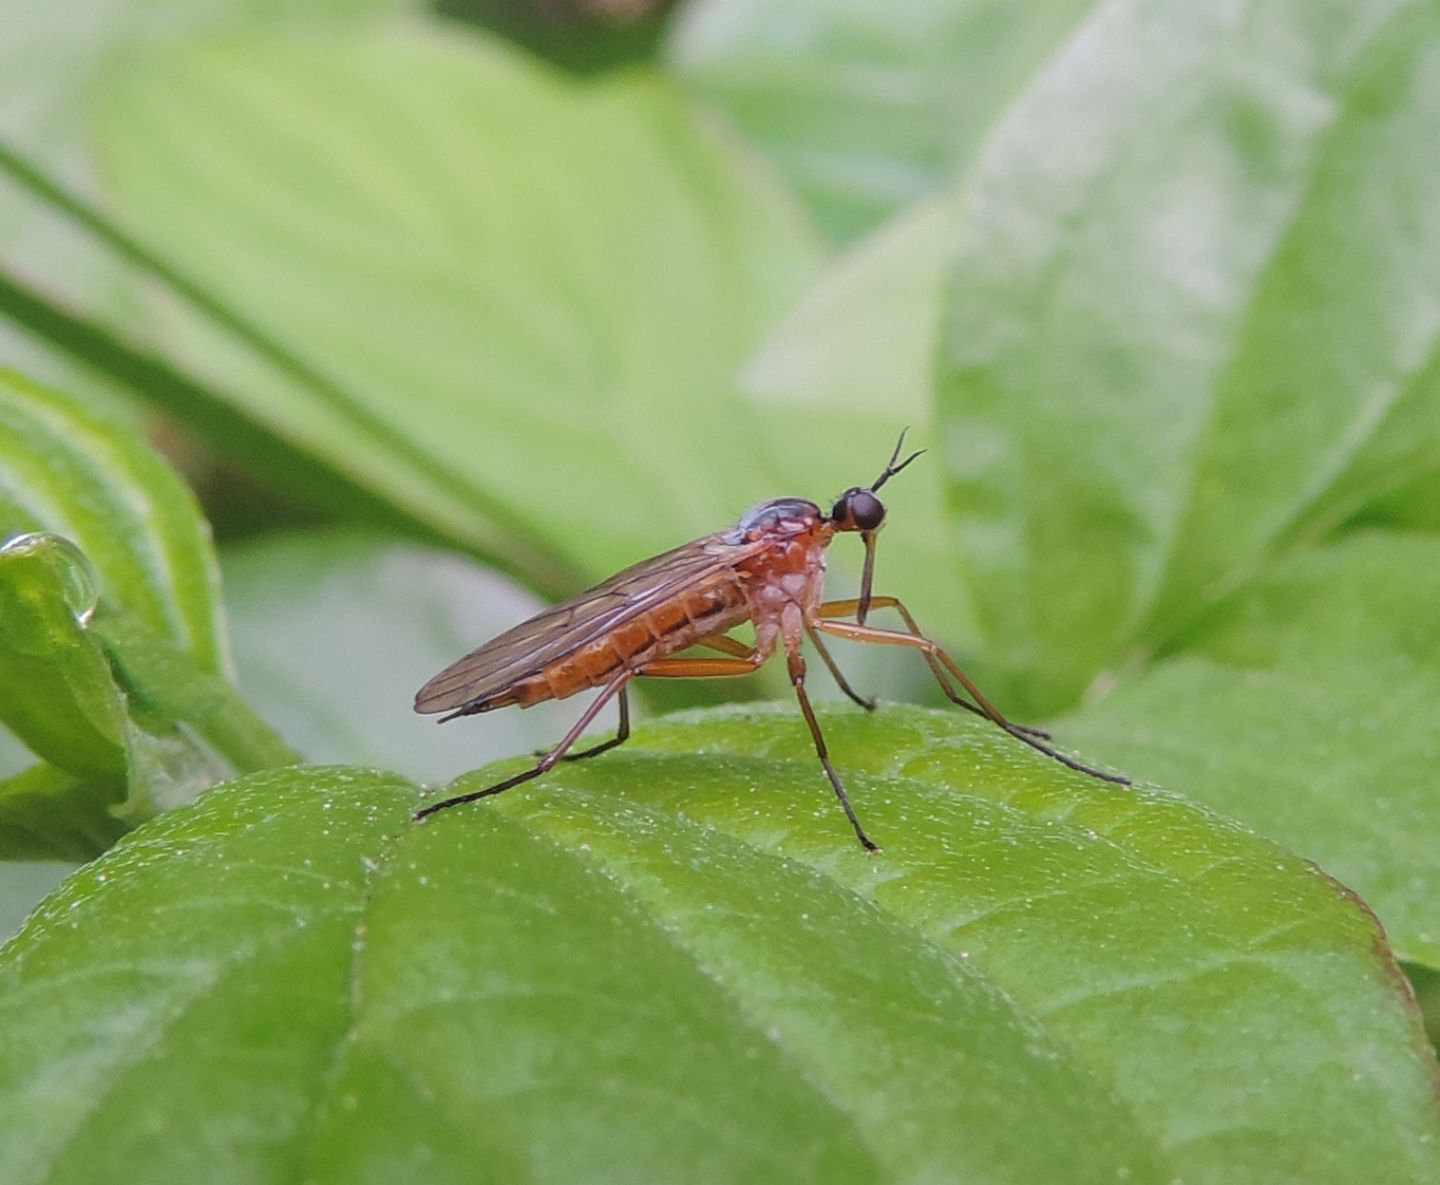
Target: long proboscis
(867, 576)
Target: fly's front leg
(834, 609)
(868, 633)
(796, 664)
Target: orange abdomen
(666, 628)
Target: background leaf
(109, 670)
(1305, 708)
(465, 337)
(527, 986)
(189, 729)
(66, 470)
(56, 691)
(866, 107)
(22, 884)
(49, 815)
(50, 63)
(1192, 316)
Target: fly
(769, 570)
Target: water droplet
(79, 585)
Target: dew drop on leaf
(78, 583)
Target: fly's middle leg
(796, 664)
(835, 673)
(710, 668)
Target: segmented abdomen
(711, 607)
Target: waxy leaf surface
(524, 988)
(1305, 707)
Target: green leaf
(1426, 983)
(66, 470)
(1413, 504)
(1184, 959)
(1306, 708)
(130, 707)
(48, 73)
(865, 107)
(56, 691)
(1192, 318)
(47, 814)
(523, 990)
(118, 712)
(504, 292)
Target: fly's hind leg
(725, 644)
(616, 686)
(796, 664)
(622, 733)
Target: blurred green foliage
(441, 315)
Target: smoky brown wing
(548, 636)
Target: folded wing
(534, 644)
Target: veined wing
(551, 635)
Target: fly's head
(797, 521)
(858, 508)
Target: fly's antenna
(891, 468)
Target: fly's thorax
(780, 518)
(784, 579)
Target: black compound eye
(860, 507)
